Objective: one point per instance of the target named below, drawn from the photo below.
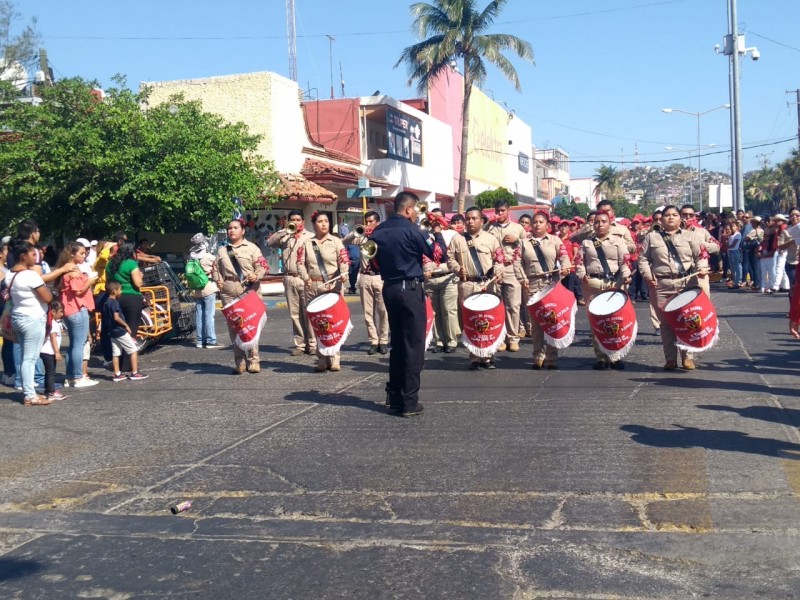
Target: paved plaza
(513, 484)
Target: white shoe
(84, 382)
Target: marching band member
(478, 259)
(323, 265)
(670, 262)
(370, 287)
(442, 286)
(525, 317)
(509, 235)
(293, 285)
(544, 260)
(571, 281)
(239, 268)
(616, 229)
(602, 264)
(700, 237)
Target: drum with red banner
(553, 309)
(330, 320)
(247, 317)
(613, 321)
(693, 319)
(484, 318)
(429, 317)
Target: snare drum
(484, 318)
(693, 319)
(613, 321)
(330, 320)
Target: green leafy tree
(608, 182)
(76, 163)
(489, 197)
(570, 209)
(18, 42)
(453, 30)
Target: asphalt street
(514, 483)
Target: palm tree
(607, 179)
(456, 30)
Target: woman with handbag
(238, 271)
(75, 290)
(27, 311)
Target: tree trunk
(462, 173)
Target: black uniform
(401, 246)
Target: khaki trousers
(592, 287)
(241, 357)
(375, 315)
(659, 295)
(296, 301)
(511, 292)
(444, 298)
(314, 289)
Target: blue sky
(604, 70)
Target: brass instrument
(360, 230)
(425, 224)
(655, 227)
(291, 228)
(422, 207)
(369, 249)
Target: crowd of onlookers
(43, 294)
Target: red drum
(613, 321)
(330, 320)
(553, 309)
(429, 316)
(247, 317)
(484, 318)
(693, 319)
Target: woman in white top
(30, 297)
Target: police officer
(401, 246)
(601, 265)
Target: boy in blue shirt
(121, 341)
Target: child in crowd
(120, 332)
(51, 349)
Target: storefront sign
(524, 162)
(405, 137)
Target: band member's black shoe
(600, 365)
(417, 410)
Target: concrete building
(582, 189)
(554, 180)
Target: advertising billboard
(404, 135)
(488, 140)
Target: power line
(763, 37)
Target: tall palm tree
(607, 179)
(456, 30)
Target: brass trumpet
(291, 228)
(422, 207)
(655, 227)
(369, 249)
(425, 224)
(360, 230)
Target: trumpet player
(290, 240)
(441, 285)
(323, 264)
(370, 286)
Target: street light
(697, 115)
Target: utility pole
(797, 102)
(330, 57)
(291, 34)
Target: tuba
(369, 249)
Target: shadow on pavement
(335, 400)
(204, 368)
(784, 416)
(15, 568)
(701, 383)
(711, 439)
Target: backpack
(196, 278)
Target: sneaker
(83, 382)
(214, 346)
(119, 377)
(137, 376)
(57, 395)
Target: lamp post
(691, 185)
(697, 115)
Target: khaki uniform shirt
(500, 231)
(615, 251)
(655, 258)
(587, 231)
(290, 244)
(490, 254)
(702, 237)
(334, 257)
(250, 260)
(555, 254)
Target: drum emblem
(693, 321)
(323, 325)
(550, 317)
(482, 325)
(611, 328)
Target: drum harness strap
(234, 262)
(601, 256)
(540, 256)
(473, 252)
(320, 263)
(673, 253)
